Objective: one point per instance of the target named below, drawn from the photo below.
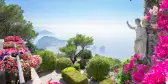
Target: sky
(104, 20)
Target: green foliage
(107, 81)
(60, 55)
(12, 22)
(114, 63)
(31, 47)
(123, 77)
(77, 66)
(63, 63)
(71, 49)
(86, 54)
(72, 76)
(98, 68)
(48, 60)
(83, 63)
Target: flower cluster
(2, 65)
(152, 17)
(25, 56)
(137, 70)
(161, 50)
(8, 44)
(133, 63)
(158, 18)
(25, 66)
(138, 75)
(163, 15)
(157, 74)
(10, 64)
(7, 55)
(12, 38)
(35, 60)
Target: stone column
(152, 40)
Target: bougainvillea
(135, 70)
(163, 15)
(157, 74)
(161, 50)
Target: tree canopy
(12, 22)
(76, 45)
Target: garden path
(35, 78)
(55, 77)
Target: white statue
(141, 37)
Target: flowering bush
(25, 66)
(10, 64)
(8, 44)
(35, 60)
(7, 56)
(12, 38)
(2, 65)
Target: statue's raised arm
(130, 26)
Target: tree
(86, 54)
(12, 22)
(76, 45)
(31, 47)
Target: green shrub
(63, 63)
(72, 76)
(48, 60)
(98, 68)
(108, 81)
(86, 54)
(114, 63)
(77, 66)
(83, 63)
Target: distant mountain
(50, 41)
(45, 32)
(102, 49)
(94, 48)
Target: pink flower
(125, 71)
(137, 77)
(138, 56)
(127, 82)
